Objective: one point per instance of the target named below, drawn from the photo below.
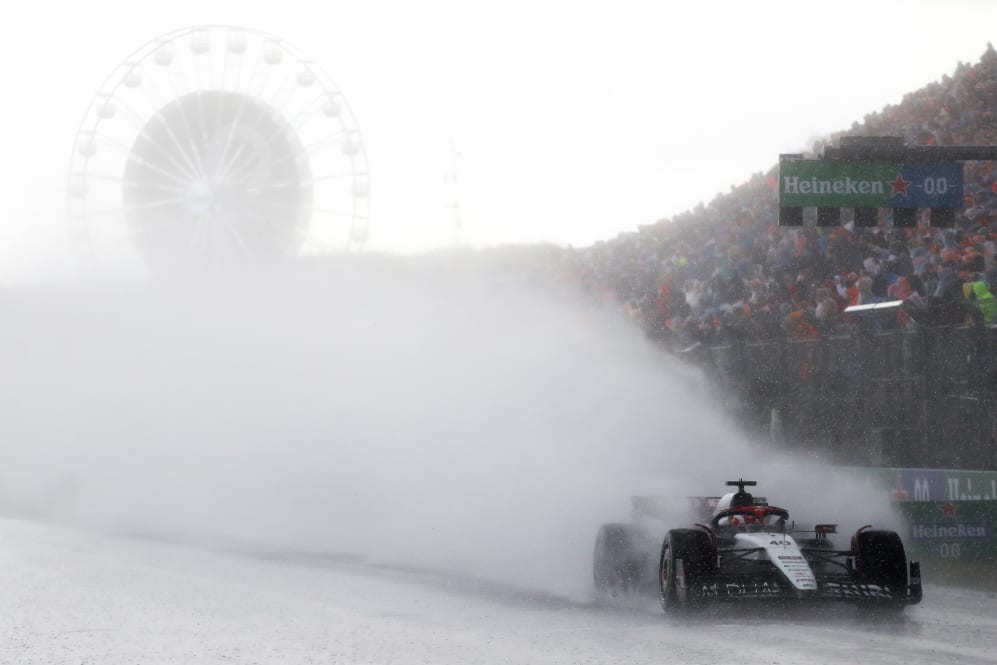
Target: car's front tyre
(684, 568)
(880, 559)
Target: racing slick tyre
(693, 548)
(880, 559)
(622, 559)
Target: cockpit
(742, 511)
(752, 518)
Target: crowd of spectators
(726, 270)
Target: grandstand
(762, 306)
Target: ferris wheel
(216, 144)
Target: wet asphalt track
(76, 597)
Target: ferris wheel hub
(199, 197)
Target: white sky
(574, 121)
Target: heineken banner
(813, 183)
(951, 529)
(950, 514)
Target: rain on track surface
(75, 596)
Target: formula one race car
(747, 549)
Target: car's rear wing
(664, 507)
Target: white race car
(747, 549)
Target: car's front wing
(771, 585)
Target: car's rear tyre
(880, 559)
(621, 559)
(694, 549)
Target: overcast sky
(572, 121)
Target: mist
(428, 411)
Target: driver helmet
(741, 519)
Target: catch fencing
(901, 398)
